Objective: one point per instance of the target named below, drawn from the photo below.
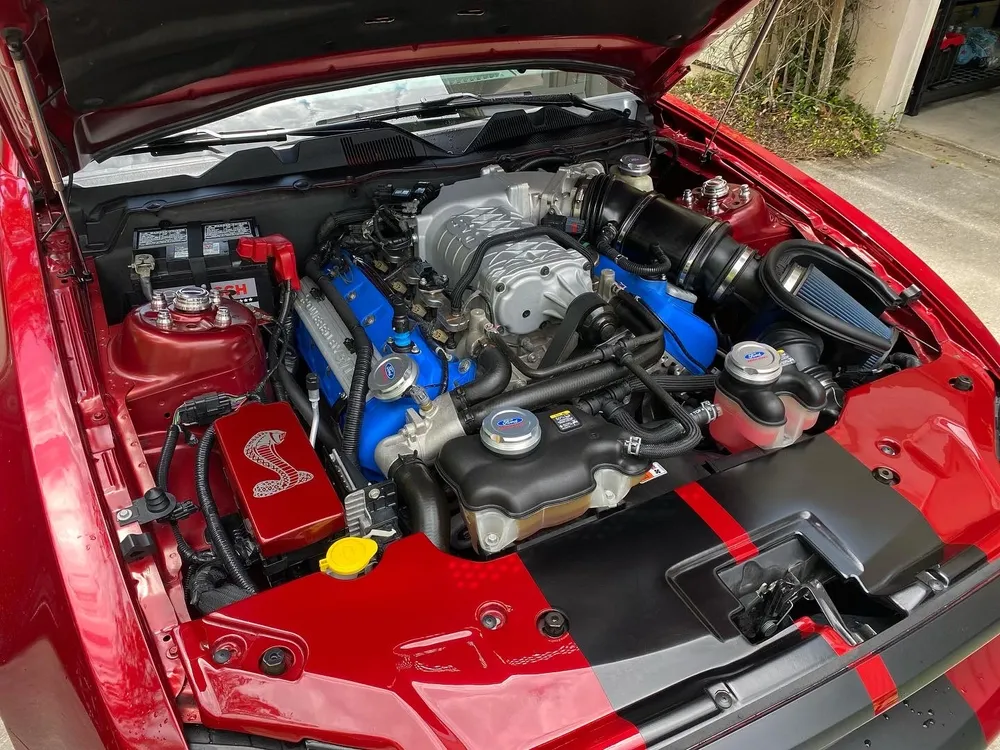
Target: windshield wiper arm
(203, 140)
(458, 102)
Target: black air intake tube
(493, 372)
(703, 257)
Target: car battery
(280, 486)
(204, 255)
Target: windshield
(304, 111)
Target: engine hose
(188, 553)
(606, 248)
(216, 531)
(675, 383)
(558, 389)
(208, 589)
(362, 366)
(493, 375)
(691, 430)
(506, 238)
(904, 360)
(424, 498)
(275, 356)
(616, 413)
(769, 274)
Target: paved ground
(972, 122)
(943, 202)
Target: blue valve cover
(688, 339)
(381, 418)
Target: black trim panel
(887, 535)
(934, 718)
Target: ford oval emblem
(503, 424)
(751, 356)
(390, 371)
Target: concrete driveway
(944, 203)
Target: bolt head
(723, 699)
(553, 623)
(962, 383)
(222, 655)
(500, 287)
(491, 540)
(275, 661)
(374, 493)
(369, 320)
(124, 514)
(490, 621)
(351, 296)
(464, 366)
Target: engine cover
(526, 283)
(279, 482)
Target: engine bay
(487, 361)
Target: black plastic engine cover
(573, 446)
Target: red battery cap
(278, 479)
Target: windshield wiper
(457, 102)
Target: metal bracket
(155, 505)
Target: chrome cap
(392, 377)
(192, 299)
(717, 187)
(511, 432)
(635, 165)
(754, 363)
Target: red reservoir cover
(278, 479)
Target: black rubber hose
(208, 589)
(188, 553)
(275, 356)
(605, 246)
(559, 389)
(691, 430)
(506, 238)
(770, 279)
(216, 531)
(665, 433)
(362, 366)
(493, 375)
(675, 383)
(424, 498)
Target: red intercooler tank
(278, 480)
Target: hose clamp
(629, 221)
(734, 271)
(632, 445)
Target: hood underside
(110, 77)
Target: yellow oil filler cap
(348, 557)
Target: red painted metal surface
(977, 678)
(399, 658)
(941, 442)
(726, 527)
(162, 368)
(77, 666)
(752, 222)
(871, 669)
(279, 482)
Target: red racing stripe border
(727, 528)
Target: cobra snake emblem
(262, 450)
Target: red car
(384, 375)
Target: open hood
(108, 78)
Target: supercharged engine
(512, 318)
(481, 361)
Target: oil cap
(754, 363)
(392, 377)
(511, 432)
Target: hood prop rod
(15, 45)
(758, 42)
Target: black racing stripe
(872, 522)
(933, 718)
(641, 632)
(954, 634)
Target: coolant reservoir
(634, 169)
(765, 401)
